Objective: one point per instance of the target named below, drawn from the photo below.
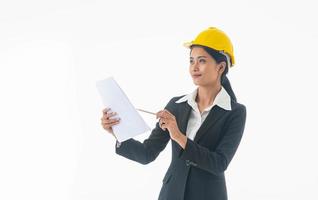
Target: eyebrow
(199, 57)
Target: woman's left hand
(168, 121)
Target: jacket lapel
(214, 115)
(184, 114)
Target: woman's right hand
(107, 122)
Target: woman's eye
(191, 62)
(202, 61)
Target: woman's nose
(195, 66)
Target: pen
(146, 111)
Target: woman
(205, 126)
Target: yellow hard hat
(215, 39)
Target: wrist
(181, 139)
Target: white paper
(131, 123)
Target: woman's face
(203, 68)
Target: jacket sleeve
(216, 162)
(148, 150)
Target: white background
(52, 53)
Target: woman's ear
(222, 66)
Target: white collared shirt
(196, 118)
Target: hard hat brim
(188, 44)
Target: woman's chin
(196, 82)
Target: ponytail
(227, 86)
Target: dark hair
(219, 57)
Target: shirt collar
(222, 100)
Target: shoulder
(237, 106)
(173, 100)
(176, 98)
(172, 104)
(238, 110)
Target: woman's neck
(206, 95)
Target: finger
(109, 121)
(105, 110)
(114, 124)
(110, 114)
(169, 114)
(160, 120)
(160, 123)
(163, 114)
(158, 114)
(109, 126)
(106, 127)
(163, 122)
(164, 127)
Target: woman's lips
(196, 75)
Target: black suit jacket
(196, 172)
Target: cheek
(211, 74)
(208, 69)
